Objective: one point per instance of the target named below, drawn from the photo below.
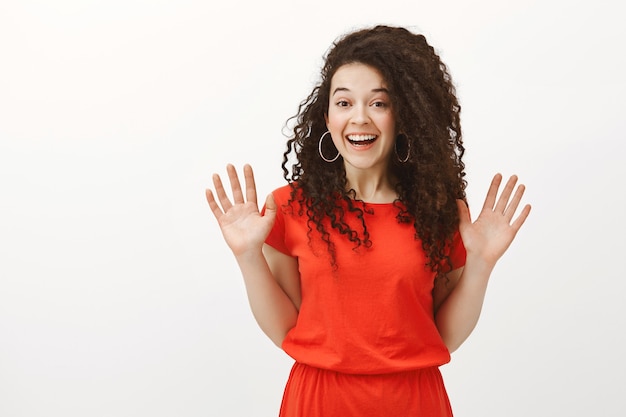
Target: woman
(366, 267)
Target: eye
(343, 103)
(380, 104)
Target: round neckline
(367, 203)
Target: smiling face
(360, 117)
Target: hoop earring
(319, 148)
(408, 151)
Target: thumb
(270, 207)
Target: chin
(364, 164)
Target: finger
(234, 184)
(514, 203)
(492, 192)
(250, 184)
(521, 218)
(215, 208)
(503, 201)
(221, 194)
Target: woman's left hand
(493, 231)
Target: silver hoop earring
(319, 148)
(408, 151)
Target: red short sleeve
(457, 251)
(276, 237)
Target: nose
(360, 115)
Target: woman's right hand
(242, 225)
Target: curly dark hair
(427, 114)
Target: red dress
(365, 342)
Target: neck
(371, 187)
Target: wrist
(478, 265)
(249, 255)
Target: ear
(326, 119)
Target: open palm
(242, 225)
(493, 231)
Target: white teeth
(361, 138)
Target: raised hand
(241, 223)
(493, 231)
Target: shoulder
(287, 194)
(283, 193)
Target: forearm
(272, 308)
(459, 313)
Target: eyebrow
(375, 90)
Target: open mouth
(361, 140)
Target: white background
(118, 296)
